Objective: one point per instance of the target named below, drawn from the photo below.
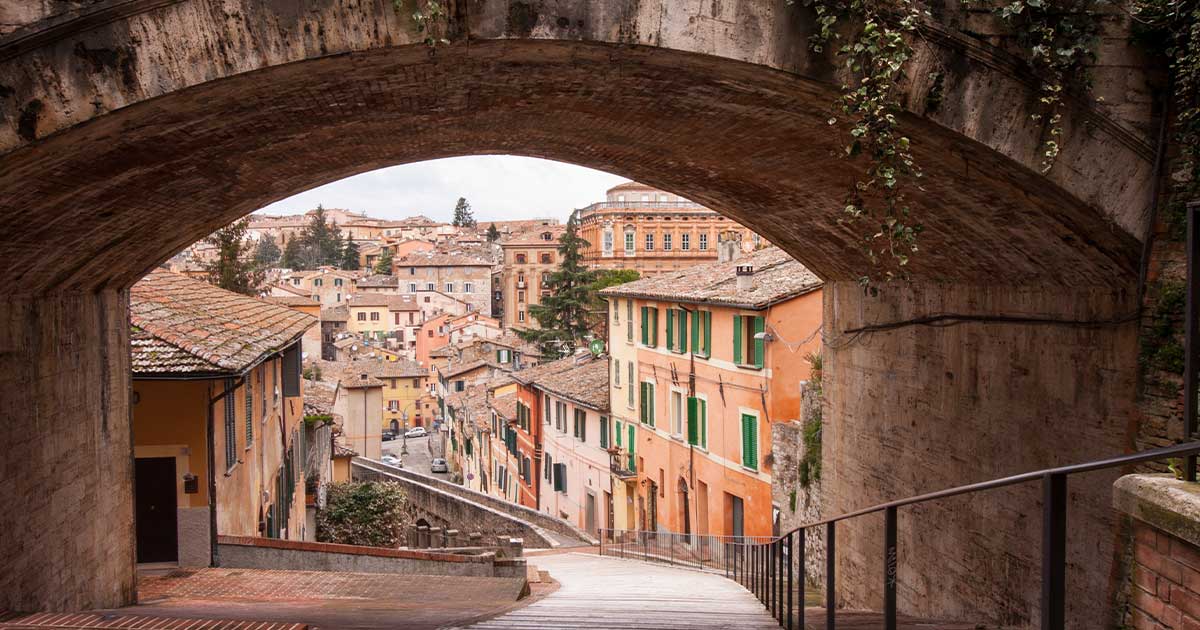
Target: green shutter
(619, 429)
(653, 327)
(696, 331)
(642, 402)
(703, 423)
(737, 339)
(760, 326)
(750, 441)
(603, 432)
(707, 333)
(683, 341)
(671, 330)
(632, 449)
(645, 325)
(693, 420)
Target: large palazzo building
(652, 231)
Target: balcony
(621, 464)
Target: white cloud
(498, 187)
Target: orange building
(704, 361)
(529, 259)
(652, 231)
(219, 439)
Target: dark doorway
(154, 489)
(685, 508)
(737, 513)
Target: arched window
(520, 259)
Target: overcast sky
(498, 187)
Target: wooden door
(154, 492)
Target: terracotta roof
(777, 277)
(282, 286)
(440, 258)
(393, 302)
(389, 369)
(293, 300)
(474, 401)
(580, 379)
(378, 281)
(462, 368)
(343, 451)
(318, 398)
(534, 236)
(352, 378)
(222, 331)
(505, 406)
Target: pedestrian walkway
(598, 592)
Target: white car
(416, 432)
(438, 465)
(391, 460)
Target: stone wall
(266, 553)
(66, 461)
(913, 408)
(446, 510)
(799, 503)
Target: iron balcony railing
(773, 569)
(709, 553)
(644, 205)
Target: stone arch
(130, 128)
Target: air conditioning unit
(520, 284)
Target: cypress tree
(493, 234)
(350, 256)
(383, 265)
(564, 316)
(266, 252)
(463, 217)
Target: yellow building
(377, 316)
(219, 442)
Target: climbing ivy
(1172, 28)
(430, 18)
(874, 52)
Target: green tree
(493, 234)
(364, 513)
(233, 269)
(609, 278)
(463, 217)
(321, 241)
(350, 255)
(266, 252)
(564, 316)
(292, 255)
(384, 264)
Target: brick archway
(130, 128)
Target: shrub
(374, 514)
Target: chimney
(729, 246)
(745, 277)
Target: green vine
(1172, 28)
(875, 53)
(430, 17)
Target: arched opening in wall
(108, 171)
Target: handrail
(1175, 450)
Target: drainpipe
(214, 556)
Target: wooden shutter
(653, 326)
(750, 441)
(695, 331)
(707, 333)
(683, 321)
(693, 420)
(737, 339)
(619, 429)
(645, 325)
(291, 370)
(671, 330)
(703, 423)
(642, 402)
(583, 426)
(760, 326)
(603, 432)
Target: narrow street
(419, 452)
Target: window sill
(749, 469)
(748, 367)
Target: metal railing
(644, 205)
(708, 553)
(773, 568)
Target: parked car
(391, 460)
(388, 435)
(438, 465)
(416, 432)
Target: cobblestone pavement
(325, 599)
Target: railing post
(780, 597)
(671, 549)
(791, 569)
(890, 560)
(1054, 550)
(830, 567)
(803, 568)
(1191, 371)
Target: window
(362, 317)
(677, 330)
(560, 416)
(549, 467)
(748, 347)
(560, 478)
(667, 242)
(645, 198)
(337, 282)
(250, 410)
(616, 312)
(604, 432)
(697, 418)
(608, 241)
(545, 259)
(647, 409)
(520, 259)
(649, 326)
(756, 239)
(629, 393)
(393, 405)
(468, 287)
(412, 271)
(580, 427)
(685, 242)
(520, 316)
(629, 241)
(650, 242)
(703, 241)
(317, 282)
(296, 281)
(662, 198)
(230, 427)
(546, 408)
(629, 321)
(749, 441)
(616, 372)
(702, 333)
(546, 236)
(503, 355)
(460, 386)
(520, 296)
(525, 470)
(416, 383)
(412, 287)
(429, 286)
(449, 287)
(374, 316)
(676, 413)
